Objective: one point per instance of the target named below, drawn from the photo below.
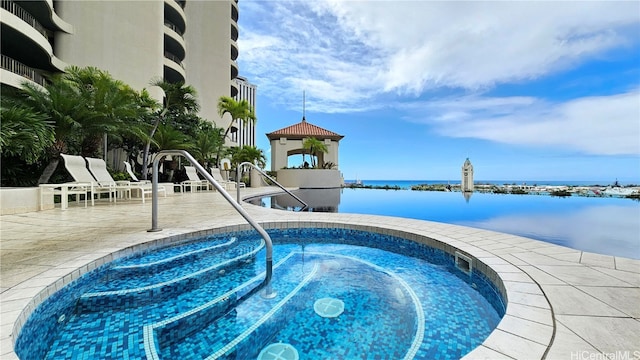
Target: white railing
(21, 69)
(225, 194)
(268, 177)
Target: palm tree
(117, 108)
(178, 99)
(248, 154)
(84, 104)
(315, 147)
(239, 110)
(24, 132)
(169, 138)
(207, 143)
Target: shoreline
(629, 192)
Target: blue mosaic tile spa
(335, 294)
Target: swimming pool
(338, 293)
(601, 225)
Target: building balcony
(234, 30)
(26, 40)
(15, 73)
(234, 50)
(173, 41)
(234, 10)
(234, 88)
(174, 14)
(44, 12)
(173, 68)
(234, 70)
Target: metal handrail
(225, 194)
(268, 177)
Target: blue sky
(528, 90)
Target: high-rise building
(135, 41)
(246, 133)
(467, 177)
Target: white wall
(310, 178)
(125, 38)
(207, 62)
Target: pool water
(604, 225)
(335, 294)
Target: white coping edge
(537, 340)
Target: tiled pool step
(121, 279)
(170, 338)
(182, 325)
(146, 266)
(170, 283)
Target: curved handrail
(268, 177)
(224, 193)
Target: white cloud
(359, 51)
(605, 125)
(473, 44)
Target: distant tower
(467, 177)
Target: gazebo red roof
(302, 130)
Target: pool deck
(562, 303)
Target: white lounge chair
(77, 168)
(99, 170)
(217, 176)
(194, 180)
(127, 166)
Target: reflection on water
(602, 225)
(609, 229)
(317, 200)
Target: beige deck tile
(581, 275)
(6, 344)
(14, 275)
(570, 257)
(606, 334)
(514, 346)
(625, 264)
(484, 353)
(540, 259)
(598, 260)
(523, 287)
(527, 329)
(568, 345)
(529, 300)
(505, 268)
(568, 300)
(532, 313)
(626, 300)
(541, 277)
(630, 278)
(511, 259)
(551, 249)
(519, 277)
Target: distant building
(467, 177)
(246, 134)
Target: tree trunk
(48, 171)
(147, 146)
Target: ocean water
(604, 225)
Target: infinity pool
(335, 294)
(608, 226)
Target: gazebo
(289, 141)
